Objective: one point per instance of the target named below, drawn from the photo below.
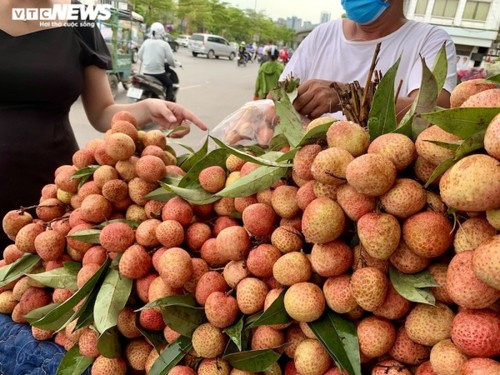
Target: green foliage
(17, 269)
(414, 287)
(274, 314)
(111, 299)
(252, 360)
(73, 363)
(213, 16)
(382, 117)
(62, 277)
(171, 356)
(338, 336)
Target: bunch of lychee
(328, 236)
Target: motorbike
(143, 86)
(243, 58)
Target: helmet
(243, 44)
(157, 30)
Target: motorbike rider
(242, 51)
(268, 75)
(154, 52)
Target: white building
(473, 25)
(324, 17)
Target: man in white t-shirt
(154, 53)
(342, 51)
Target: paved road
(212, 89)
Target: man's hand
(315, 98)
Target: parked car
(183, 40)
(211, 46)
(173, 43)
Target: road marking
(190, 87)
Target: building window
(421, 6)
(445, 8)
(476, 10)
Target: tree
(155, 10)
(215, 17)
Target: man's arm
(317, 97)
(169, 55)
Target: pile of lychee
(346, 228)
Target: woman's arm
(100, 106)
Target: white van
(183, 40)
(211, 46)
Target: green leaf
(242, 155)
(85, 172)
(275, 314)
(133, 224)
(216, 157)
(160, 195)
(183, 319)
(339, 337)
(112, 298)
(17, 269)
(425, 101)
(414, 287)
(62, 277)
(156, 338)
(467, 147)
(87, 236)
(440, 169)
(72, 267)
(288, 156)
(195, 196)
(59, 316)
(447, 145)
(253, 360)
(463, 122)
(234, 333)
(172, 179)
(290, 124)
(180, 313)
(39, 313)
(382, 116)
(186, 147)
(257, 180)
(109, 343)
(85, 314)
(196, 157)
(254, 150)
(318, 132)
(171, 356)
(73, 363)
(440, 68)
(493, 79)
(277, 142)
(471, 144)
(187, 300)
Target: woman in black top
(43, 71)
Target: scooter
(144, 86)
(243, 58)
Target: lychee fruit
(304, 302)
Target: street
(212, 89)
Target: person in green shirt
(269, 74)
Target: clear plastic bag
(251, 124)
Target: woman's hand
(169, 115)
(315, 98)
(100, 107)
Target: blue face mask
(364, 11)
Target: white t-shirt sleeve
(299, 65)
(431, 46)
(169, 55)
